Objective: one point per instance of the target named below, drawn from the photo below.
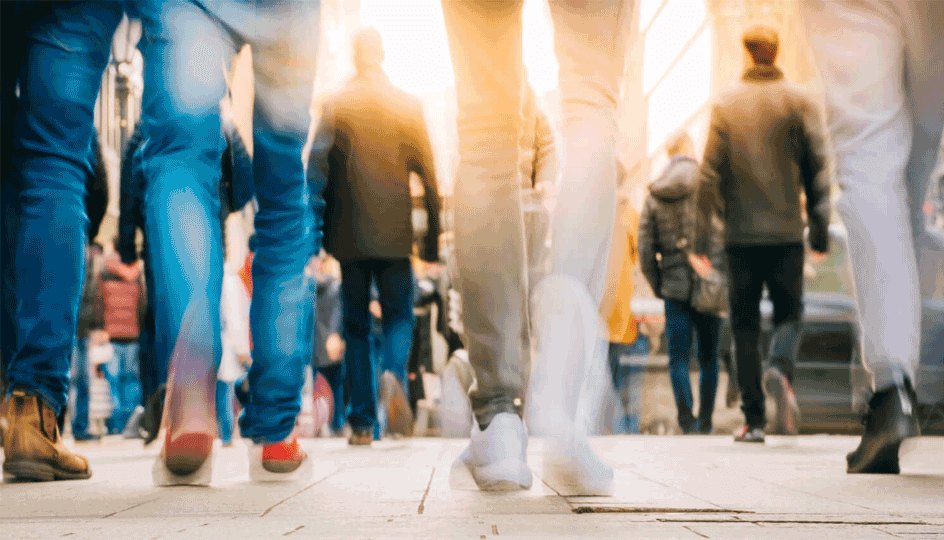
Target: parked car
(831, 385)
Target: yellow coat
(616, 307)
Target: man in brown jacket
(766, 149)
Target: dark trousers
(780, 268)
(394, 279)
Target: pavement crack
(695, 532)
(299, 492)
(293, 531)
(132, 507)
(422, 507)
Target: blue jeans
(80, 383)
(224, 410)
(394, 278)
(66, 53)
(680, 321)
(124, 378)
(186, 46)
(628, 382)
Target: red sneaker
(278, 462)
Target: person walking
(766, 149)
(886, 123)
(485, 42)
(123, 308)
(370, 138)
(666, 234)
(184, 45)
(61, 60)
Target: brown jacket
(766, 147)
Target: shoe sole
(259, 473)
(163, 476)
(788, 413)
(885, 461)
(31, 471)
(505, 475)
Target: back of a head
(761, 43)
(368, 49)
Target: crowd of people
(165, 339)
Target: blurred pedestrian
(886, 123)
(185, 44)
(124, 304)
(766, 150)
(485, 45)
(666, 236)
(61, 60)
(328, 351)
(370, 138)
(89, 332)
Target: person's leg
(185, 51)
(590, 41)
(130, 380)
(396, 283)
(359, 369)
(224, 411)
(284, 40)
(708, 329)
(80, 380)
(870, 119)
(67, 51)
(678, 333)
(113, 376)
(334, 374)
(785, 285)
(485, 45)
(745, 285)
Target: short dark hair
(762, 43)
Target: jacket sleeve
(709, 204)
(648, 238)
(816, 170)
(128, 199)
(319, 170)
(422, 164)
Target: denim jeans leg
(359, 367)
(66, 53)
(224, 410)
(708, 331)
(184, 52)
(284, 40)
(678, 333)
(396, 283)
(80, 381)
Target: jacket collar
(761, 72)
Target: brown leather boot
(33, 447)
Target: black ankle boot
(891, 419)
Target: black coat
(370, 138)
(667, 232)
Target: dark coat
(370, 138)
(766, 146)
(667, 232)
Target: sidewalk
(667, 487)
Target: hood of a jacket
(677, 180)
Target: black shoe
(85, 437)
(749, 435)
(778, 387)
(361, 437)
(891, 419)
(151, 419)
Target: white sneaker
(455, 409)
(497, 457)
(572, 468)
